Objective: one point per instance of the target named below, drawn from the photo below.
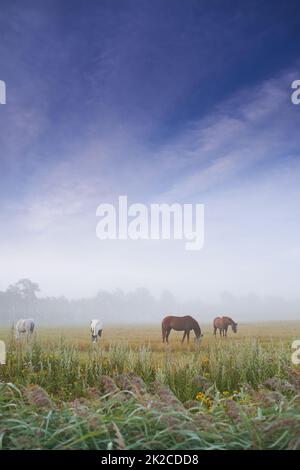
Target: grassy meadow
(130, 391)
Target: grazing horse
(24, 326)
(222, 323)
(185, 324)
(96, 329)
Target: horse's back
(21, 324)
(25, 324)
(174, 317)
(218, 321)
(178, 323)
(96, 325)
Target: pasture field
(132, 392)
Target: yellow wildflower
(204, 399)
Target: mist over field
(24, 299)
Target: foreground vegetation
(60, 392)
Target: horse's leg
(163, 333)
(215, 331)
(220, 331)
(226, 328)
(184, 335)
(188, 336)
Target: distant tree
(23, 298)
(25, 288)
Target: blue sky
(163, 101)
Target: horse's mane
(230, 319)
(196, 327)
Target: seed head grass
(58, 391)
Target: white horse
(96, 329)
(24, 326)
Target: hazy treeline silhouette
(23, 299)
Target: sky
(162, 101)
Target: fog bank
(138, 306)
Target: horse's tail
(164, 327)
(163, 330)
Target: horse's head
(234, 327)
(198, 338)
(94, 338)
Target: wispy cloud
(251, 130)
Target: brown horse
(222, 323)
(185, 324)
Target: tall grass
(111, 423)
(66, 372)
(240, 393)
